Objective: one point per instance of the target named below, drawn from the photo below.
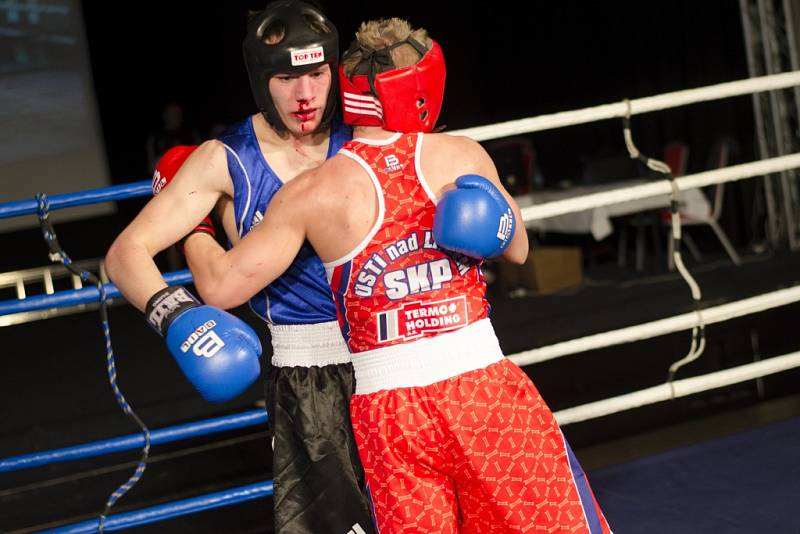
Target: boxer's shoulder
(334, 191)
(207, 167)
(452, 148)
(336, 176)
(444, 157)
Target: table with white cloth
(597, 221)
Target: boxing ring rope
(583, 412)
(69, 200)
(660, 187)
(660, 327)
(616, 337)
(679, 388)
(256, 417)
(172, 510)
(73, 297)
(637, 107)
(134, 441)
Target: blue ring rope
(68, 200)
(72, 297)
(171, 510)
(133, 441)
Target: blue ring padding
(134, 441)
(171, 510)
(84, 295)
(68, 200)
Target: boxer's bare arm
(452, 156)
(167, 218)
(197, 251)
(517, 251)
(262, 255)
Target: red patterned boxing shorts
(478, 452)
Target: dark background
(505, 61)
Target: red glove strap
(206, 226)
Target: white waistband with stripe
(306, 345)
(428, 360)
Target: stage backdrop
(49, 128)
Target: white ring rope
(638, 106)
(660, 327)
(660, 187)
(672, 389)
(678, 388)
(683, 387)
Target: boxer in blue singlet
(291, 52)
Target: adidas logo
(257, 218)
(158, 182)
(356, 529)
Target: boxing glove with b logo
(474, 219)
(217, 351)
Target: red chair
(719, 157)
(676, 156)
(515, 160)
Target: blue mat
(745, 483)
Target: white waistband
(427, 360)
(306, 345)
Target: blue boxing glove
(474, 219)
(217, 351)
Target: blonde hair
(378, 34)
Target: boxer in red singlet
(453, 436)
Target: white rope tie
(698, 343)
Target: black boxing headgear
(309, 40)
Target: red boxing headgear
(168, 165)
(407, 99)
